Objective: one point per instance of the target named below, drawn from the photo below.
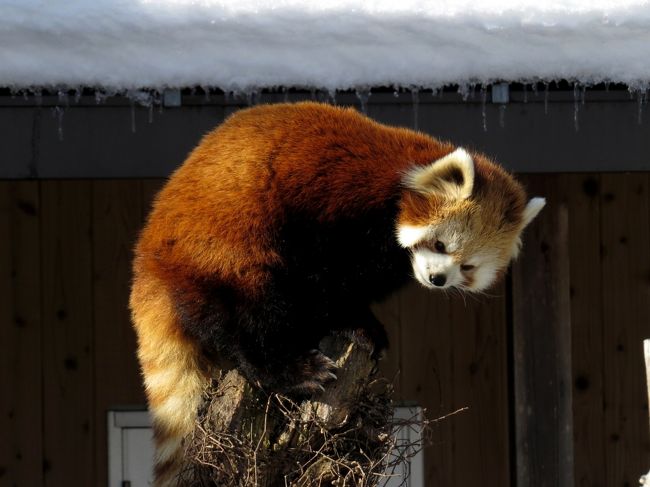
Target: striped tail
(173, 379)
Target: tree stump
(342, 437)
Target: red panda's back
(220, 210)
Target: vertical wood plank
(582, 196)
(388, 313)
(427, 372)
(542, 347)
(67, 333)
(117, 217)
(626, 315)
(480, 364)
(646, 354)
(21, 444)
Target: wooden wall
(67, 352)
(66, 345)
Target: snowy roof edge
(244, 45)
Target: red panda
(282, 226)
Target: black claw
(315, 370)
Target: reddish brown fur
(215, 217)
(249, 192)
(492, 184)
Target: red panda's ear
(451, 176)
(533, 207)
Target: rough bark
(341, 437)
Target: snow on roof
(328, 44)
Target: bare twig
(346, 437)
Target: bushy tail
(173, 379)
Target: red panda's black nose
(438, 279)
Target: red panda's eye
(466, 267)
(439, 246)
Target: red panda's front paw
(315, 369)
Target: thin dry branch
(344, 437)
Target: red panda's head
(461, 218)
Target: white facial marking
(427, 264)
(483, 277)
(409, 235)
(486, 264)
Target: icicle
(285, 93)
(472, 91)
(77, 95)
(140, 97)
(58, 112)
(156, 99)
(396, 91)
(38, 97)
(252, 97)
(464, 91)
(640, 99)
(206, 94)
(545, 98)
(483, 107)
(101, 96)
(331, 93)
(415, 100)
(363, 96)
(502, 115)
(132, 116)
(576, 99)
(63, 98)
